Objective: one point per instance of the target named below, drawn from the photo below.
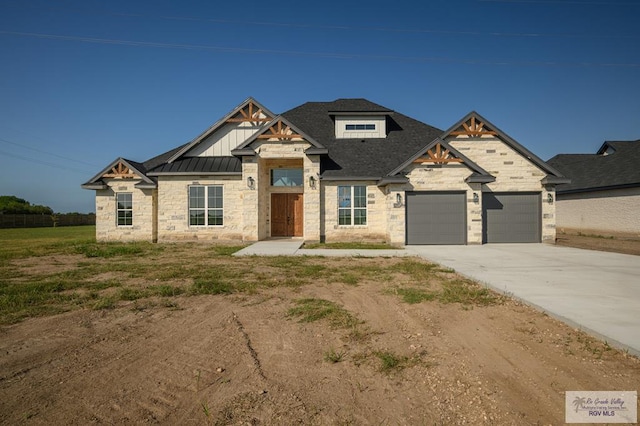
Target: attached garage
(436, 218)
(511, 217)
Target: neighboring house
(604, 193)
(347, 170)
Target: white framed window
(124, 208)
(352, 205)
(366, 126)
(206, 205)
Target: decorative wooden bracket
(251, 113)
(439, 156)
(473, 128)
(120, 171)
(280, 131)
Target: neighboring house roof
(370, 158)
(615, 165)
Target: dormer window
(369, 126)
(360, 126)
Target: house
(347, 170)
(604, 193)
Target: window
(352, 205)
(124, 208)
(360, 127)
(286, 177)
(205, 205)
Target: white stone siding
(173, 209)
(377, 210)
(616, 210)
(142, 228)
(513, 173)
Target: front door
(286, 215)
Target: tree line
(10, 204)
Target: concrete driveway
(595, 291)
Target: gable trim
(474, 117)
(120, 168)
(450, 151)
(244, 148)
(249, 102)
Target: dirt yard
(404, 344)
(621, 243)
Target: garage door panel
(436, 218)
(511, 217)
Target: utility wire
(321, 54)
(45, 163)
(48, 153)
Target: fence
(43, 220)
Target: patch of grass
(349, 278)
(310, 310)
(27, 242)
(468, 293)
(212, 286)
(351, 246)
(414, 295)
(165, 290)
(106, 302)
(226, 250)
(390, 361)
(107, 250)
(128, 293)
(332, 356)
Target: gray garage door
(436, 218)
(512, 217)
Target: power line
(45, 163)
(321, 54)
(563, 2)
(48, 153)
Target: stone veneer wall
(173, 208)
(143, 212)
(377, 213)
(513, 173)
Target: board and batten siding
(222, 141)
(379, 132)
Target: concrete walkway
(595, 291)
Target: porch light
(312, 181)
(398, 201)
(476, 198)
(251, 182)
(550, 198)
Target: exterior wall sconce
(476, 198)
(251, 182)
(398, 201)
(312, 181)
(550, 199)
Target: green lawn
(26, 242)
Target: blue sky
(83, 82)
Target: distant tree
(10, 204)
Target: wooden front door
(286, 215)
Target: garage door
(512, 217)
(436, 218)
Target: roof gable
(121, 168)
(249, 111)
(474, 126)
(279, 129)
(439, 152)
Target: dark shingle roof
(361, 157)
(588, 172)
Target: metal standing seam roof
(200, 165)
